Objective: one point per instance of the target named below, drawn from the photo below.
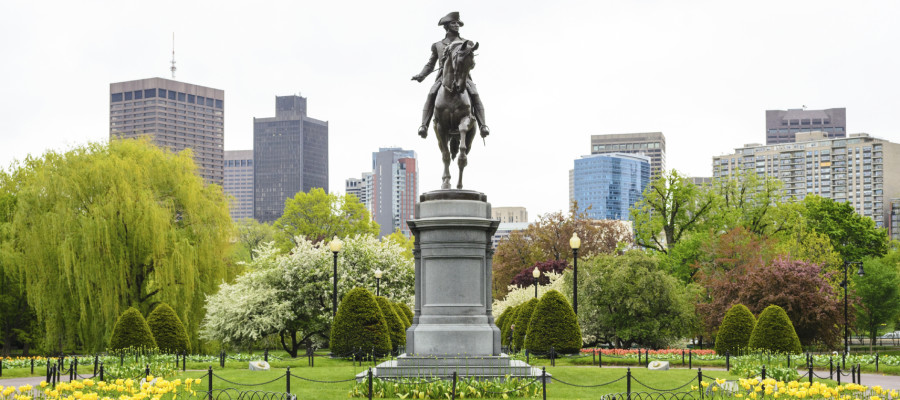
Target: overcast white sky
(551, 73)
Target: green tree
(775, 332)
(553, 325)
(671, 207)
(852, 235)
(250, 235)
(360, 325)
(405, 243)
(131, 330)
(112, 226)
(396, 327)
(630, 300)
(319, 216)
(879, 293)
(523, 319)
(734, 333)
(168, 331)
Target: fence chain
(661, 390)
(249, 384)
(586, 386)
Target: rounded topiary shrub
(131, 330)
(397, 309)
(168, 331)
(359, 326)
(775, 332)
(553, 324)
(505, 338)
(406, 311)
(734, 333)
(396, 327)
(522, 321)
(499, 321)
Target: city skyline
(703, 73)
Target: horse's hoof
(445, 186)
(459, 186)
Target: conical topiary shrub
(168, 331)
(553, 325)
(131, 330)
(397, 309)
(505, 338)
(395, 325)
(359, 326)
(734, 332)
(775, 332)
(522, 321)
(406, 311)
(500, 321)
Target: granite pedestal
(453, 329)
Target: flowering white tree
(518, 295)
(291, 295)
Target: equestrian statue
(453, 99)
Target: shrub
(359, 325)
(131, 330)
(504, 330)
(396, 327)
(775, 332)
(406, 311)
(553, 324)
(167, 329)
(406, 322)
(500, 321)
(522, 321)
(734, 333)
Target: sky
(550, 74)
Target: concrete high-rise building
(509, 214)
(239, 182)
(894, 221)
(607, 185)
(362, 189)
(353, 186)
(651, 144)
(860, 169)
(392, 189)
(290, 155)
(782, 126)
(175, 115)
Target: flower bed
(127, 389)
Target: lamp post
(575, 243)
(536, 273)
(845, 284)
(335, 246)
(378, 274)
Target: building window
(191, 98)
(116, 97)
(138, 94)
(219, 104)
(148, 93)
(181, 96)
(162, 93)
(172, 95)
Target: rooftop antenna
(172, 68)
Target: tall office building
(176, 115)
(607, 185)
(290, 155)
(391, 191)
(894, 221)
(651, 144)
(239, 182)
(860, 169)
(782, 126)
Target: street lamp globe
(575, 241)
(335, 245)
(536, 273)
(378, 273)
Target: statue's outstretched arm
(429, 66)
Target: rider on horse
(451, 25)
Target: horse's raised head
(462, 60)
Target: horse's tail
(454, 147)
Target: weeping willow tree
(104, 227)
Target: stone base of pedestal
(482, 367)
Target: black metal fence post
(527, 357)
(682, 357)
(210, 385)
(700, 381)
(32, 365)
(852, 373)
(830, 367)
(287, 380)
(147, 372)
(600, 359)
(222, 359)
(858, 374)
(370, 384)
(183, 361)
(810, 375)
(1, 366)
(763, 372)
(101, 371)
(727, 361)
(594, 357)
(789, 359)
(552, 356)
(839, 374)
(876, 361)
(97, 363)
(844, 360)
(72, 371)
(266, 355)
(453, 387)
(690, 359)
(544, 381)
(628, 383)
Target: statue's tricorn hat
(454, 16)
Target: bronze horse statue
(454, 123)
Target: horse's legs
(445, 155)
(463, 160)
